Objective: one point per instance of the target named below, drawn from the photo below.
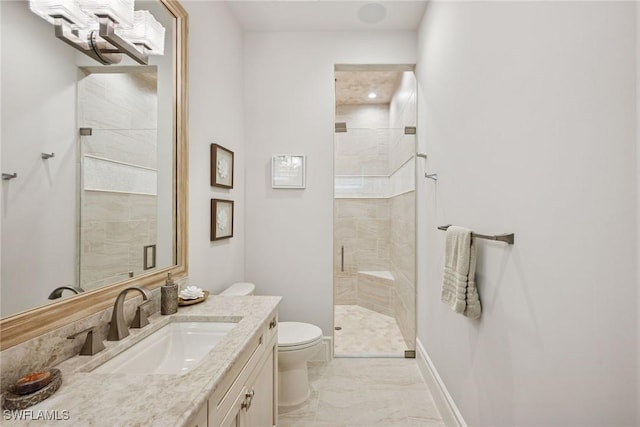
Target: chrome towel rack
(507, 238)
(433, 176)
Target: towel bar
(507, 238)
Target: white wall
(215, 115)
(527, 113)
(289, 105)
(38, 115)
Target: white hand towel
(458, 283)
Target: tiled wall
(362, 227)
(119, 175)
(402, 205)
(364, 149)
(402, 263)
(361, 205)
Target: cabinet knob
(272, 324)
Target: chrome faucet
(57, 292)
(118, 328)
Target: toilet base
(297, 343)
(293, 385)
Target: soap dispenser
(169, 296)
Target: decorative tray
(13, 401)
(183, 302)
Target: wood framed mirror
(16, 328)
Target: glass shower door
(374, 243)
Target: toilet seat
(297, 336)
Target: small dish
(16, 402)
(183, 302)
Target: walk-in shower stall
(374, 212)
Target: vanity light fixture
(104, 29)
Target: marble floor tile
(366, 332)
(372, 392)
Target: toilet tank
(239, 289)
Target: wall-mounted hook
(46, 156)
(433, 176)
(8, 176)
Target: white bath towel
(458, 283)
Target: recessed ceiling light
(372, 95)
(372, 13)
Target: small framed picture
(221, 219)
(287, 171)
(221, 166)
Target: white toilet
(297, 343)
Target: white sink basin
(175, 348)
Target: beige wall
(362, 227)
(361, 210)
(402, 206)
(402, 263)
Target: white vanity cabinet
(201, 419)
(247, 396)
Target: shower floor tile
(366, 332)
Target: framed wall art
(288, 171)
(221, 219)
(221, 166)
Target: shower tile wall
(403, 110)
(362, 226)
(119, 200)
(402, 256)
(361, 208)
(364, 149)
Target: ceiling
(353, 87)
(324, 15)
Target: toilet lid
(297, 333)
(239, 289)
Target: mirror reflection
(93, 150)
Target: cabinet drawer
(232, 384)
(231, 417)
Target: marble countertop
(96, 399)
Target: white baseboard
(325, 352)
(447, 407)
